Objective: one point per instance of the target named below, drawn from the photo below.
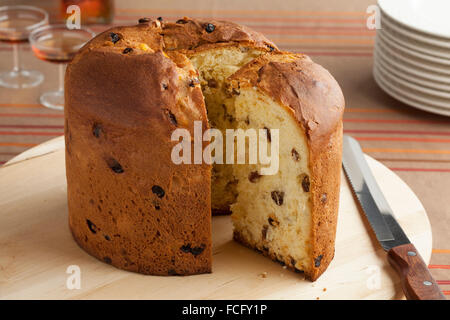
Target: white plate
(403, 50)
(413, 87)
(411, 102)
(443, 70)
(408, 91)
(413, 34)
(413, 44)
(405, 75)
(429, 16)
(400, 95)
(412, 70)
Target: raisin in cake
(129, 88)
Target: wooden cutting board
(36, 247)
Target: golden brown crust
(187, 37)
(189, 34)
(117, 211)
(318, 104)
(129, 204)
(325, 166)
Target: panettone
(130, 205)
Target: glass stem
(16, 65)
(61, 77)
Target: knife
(417, 281)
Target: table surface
(412, 143)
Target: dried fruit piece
(193, 82)
(293, 262)
(114, 37)
(107, 260)
(172, 117)
(91, 226)
(304, 180)
(210, 27)
(114, 165)
(107, 237)
(165, 86)
(158, 191)
(269, 136)
(172, 272)
(273, 221)
(278, 197)
(295, 154)
(317, 261)
(198, 250)
(127, 50)
(254, 176)
(186, 248)
(264, 231)
(144, 20)
(212, 83)
(97, 130)
(193, 250)
(160, 19)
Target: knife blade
(417, 281)
(377, 210)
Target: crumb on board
(317, 298)
(263, 275)
(324, 289)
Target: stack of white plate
(412, 53)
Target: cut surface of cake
(131, 206)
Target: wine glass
(16, 23)
(57, 44)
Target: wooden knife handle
(417, 281)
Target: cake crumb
(317, 298)
(284, 267)
(263, 275)
(324, 289)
